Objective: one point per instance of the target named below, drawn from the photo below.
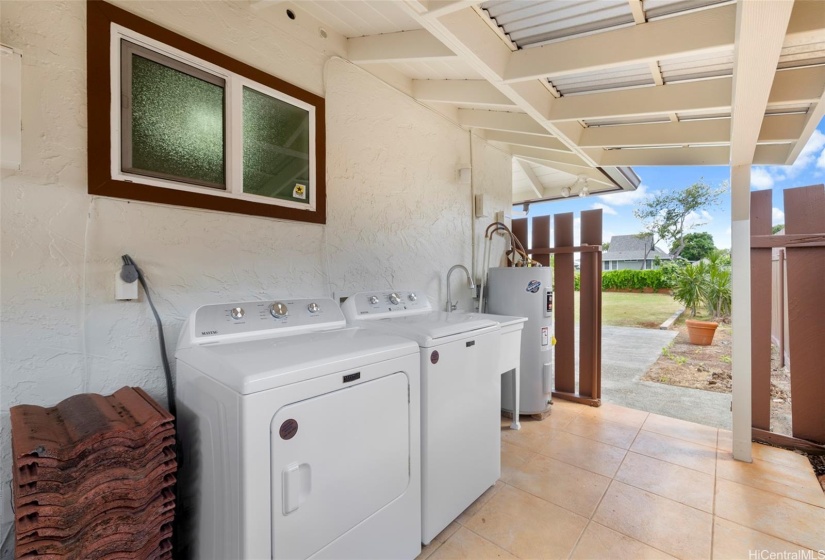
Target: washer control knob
(412, 296)
(373, 299)
(395, 299)
(279, 310)
(237, 312)
(313, 307)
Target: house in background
(632, 252)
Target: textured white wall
(397, 216)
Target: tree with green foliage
(670, 215)
(777, 228)
(606, 246)
(697, 246)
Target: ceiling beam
(535, 184)
(760, 32)
(775, 128)
(638, 11)
(437, 8)
(813, 119)
(707, 95)
(553, 156)
(393, 47)
(499, 120)
(791, 86)
(592, 173)
(475, 92)
(531, 140)
(701, 31)
(766, 154)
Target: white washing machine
(460, 398)
(301, 435)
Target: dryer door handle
(297, 484)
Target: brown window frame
(99, 19)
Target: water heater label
(545, 336)
(533, 286)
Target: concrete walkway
(627, 353)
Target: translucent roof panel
(663, 8)
(635, 75)
(618, 121)
(697, 67)
(534, 22)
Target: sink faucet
(470, 284)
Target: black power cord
(129, 273)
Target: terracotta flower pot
(701, 332)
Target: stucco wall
(397, 216)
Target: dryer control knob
(373, 299)
(237, 312)
(313, 307)
(412, 297)
(395, 299)
(279, 310)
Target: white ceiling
(591, 87)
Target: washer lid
(251, 366)
(433, 328)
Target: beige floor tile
(561, 404)
(687, 486)
(680, 429)
(780, 478)
(559, 418)
(669, 526)
(466, 545)
(766, 512)
(439, 539)
(598, 542)
(778, 455)
(725, 441)
(588, 454)
(603, 430)
(484, 498)
(527, 526)
(567, 486)
(513, 458)
(532, 435)
(733, 542)
(676, 451)
(618, 414)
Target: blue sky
(808, 169)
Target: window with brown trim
(174, 122)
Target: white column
(740, 180)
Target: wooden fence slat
(520, 231)
(589, 292)
(805, 213)
(761, 203)
(564, 326)
(541, 238)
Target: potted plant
(706, 282)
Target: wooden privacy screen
(590, 292)
(804, 241)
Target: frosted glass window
(276, 145)
(172, 119)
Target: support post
(740, 176)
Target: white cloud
(812, 153)
(604, 208)
(778, 216)
(627, 198)
(761, 178)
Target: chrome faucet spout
(470, 284)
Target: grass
(625, 309)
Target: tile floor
(616, 483)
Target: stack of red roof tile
(94, 478)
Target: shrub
(708, 282)
(634, 280)
(690, 285)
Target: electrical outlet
(125, 290)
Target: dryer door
(337, 459)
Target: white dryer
(301, 435)
(460, 397)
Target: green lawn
(634, 310)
